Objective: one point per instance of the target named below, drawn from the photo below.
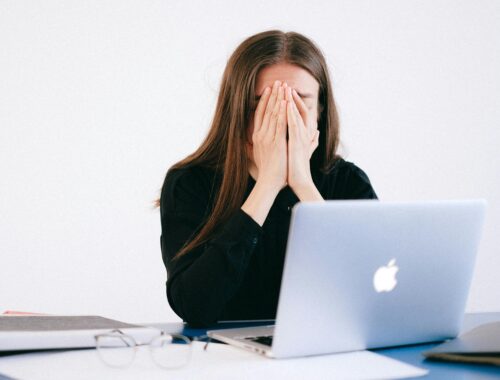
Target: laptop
(363, 274)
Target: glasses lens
(171, 350)
(115, 349)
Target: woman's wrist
(271, 187)
(260, 200)
(307, 192)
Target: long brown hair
(224, 146)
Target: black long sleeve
(237, 274)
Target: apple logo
(384, 279)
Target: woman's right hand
(269, 137)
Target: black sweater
(237, 274)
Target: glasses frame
(135, 345)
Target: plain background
(98, 98)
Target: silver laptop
(362, 274)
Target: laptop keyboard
(267, 340)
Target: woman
(225, 209)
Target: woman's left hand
(303, 138)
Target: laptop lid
(367, 273)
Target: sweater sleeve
(202, 281)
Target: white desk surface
(219, 361)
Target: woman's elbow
(194, 311)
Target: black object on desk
(480, 345)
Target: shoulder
(193, 185)
(187, 176)
(354, 172)
(345, 168)
(350, 181)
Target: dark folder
(479, 345)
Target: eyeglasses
(117, 349)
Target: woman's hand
(269, 137)
(302, 141)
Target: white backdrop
(98, 98)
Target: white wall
(98, 98)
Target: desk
(84, 361)
(408, 354)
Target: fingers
(281, 94)
(270, 105)
(288, 93)
(281, 123)
(298, 116)
(271, 129)
(303, 111)
(259, 111)
(271, 118)
(315, 140)
(292, 123)
(301, 128)
(314, 143)
(300, 104)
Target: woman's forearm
(259, 202)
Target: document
(219, 361)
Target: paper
(219, 361)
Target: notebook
(479, 345)
(37, 332)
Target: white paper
(219, 361)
